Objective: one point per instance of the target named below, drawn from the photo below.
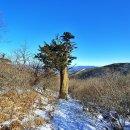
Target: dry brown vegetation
(38, 121)
(16, 125)
(110, 93)
(20, 87)
(18, 94)
(14, 106)
(48, 81)
(20, 78)
(14, 77)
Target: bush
(110, 93)
(14, 77)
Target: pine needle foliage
(58, 54)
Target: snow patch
(69, 115)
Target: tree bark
(63, 83)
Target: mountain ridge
(73, 69)
(111, 69)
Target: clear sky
(101, 27)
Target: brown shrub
(107, 92)
(13, 105)
(3, 117)
(39, 121)
(16, 125)
(14, 77)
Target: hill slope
(112, 69)
(74, 69)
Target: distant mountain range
(73, 69)
(112, 69)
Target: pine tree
(57, 55)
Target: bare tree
(37, 69)
(22, 56)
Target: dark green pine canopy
(57, 54)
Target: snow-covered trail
(69, 115)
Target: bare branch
(22, 56)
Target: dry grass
(20, 78)
(17, 95)
(16, 106)
(38, 121)
(107, 92)
(51, 83)
(16, 125)
(14, 77)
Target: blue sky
(101, 27)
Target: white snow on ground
(43, 113)
(45, 127)
(69, 115)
